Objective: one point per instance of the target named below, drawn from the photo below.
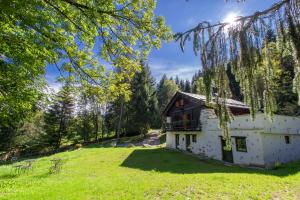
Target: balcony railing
(183, 125)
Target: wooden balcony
(183, 125)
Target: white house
(194, 127)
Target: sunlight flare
(231, 18)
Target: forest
(94, 103)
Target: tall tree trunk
(120, 118)
(96, 124)
(59, 132)
(103, 129)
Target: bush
(130, 145)
(113, 144)
(78, 146)
(277, 165)
(56, 166)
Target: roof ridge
(203, 97)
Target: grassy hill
(96, 172)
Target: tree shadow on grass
(9, 176)
(164, 160)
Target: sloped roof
(229, 102)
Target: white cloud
(172, 69)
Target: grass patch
(140, 173)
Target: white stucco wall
(264, 138)
(276, 149)
(209, 144)
(170, 140)
(241, 126)
(206, 144)
(254, 154)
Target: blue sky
(182, 15)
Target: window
(177, 140)
(194, 138)
(287, 139)
(241, 144)
(181, 102)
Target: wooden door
(226, 155)
(188, 142)
(177, 141)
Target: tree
(58, 117)
(162, 81)
(187, 86)
(245, 46)
(160, 85)
(182, 85)
(85, 117)
(155, 120)
(285, 96)
(234, 85)
(19, 95)
(177, 81)
(31, 135)
(72, 36)
(165, 94)
(66, 32)
(199, 86)
(142, 109)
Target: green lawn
(144, 173)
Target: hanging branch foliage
(245, 46)
(82, 37)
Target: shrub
(277, 165)
(113, 144)
(130, 145)
(78, 146)
(56, 166)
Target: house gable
(182, 102)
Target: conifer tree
(159, 89)
(165, 94)
(59, 115)
(142, 109)
(181, 85)
(161, 82)
(177, 81)
(187, 86)
(85, 118)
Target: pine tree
(142, 110)
(181, 85)
(187, 86)
(234, 85)
(165, 94)
(159, 88)
(161, 82)
(85, 126)
(194, 87)
(177, 81)
(59, 115)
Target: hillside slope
(145, 173)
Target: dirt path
(153, 139)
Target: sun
(231, 18)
